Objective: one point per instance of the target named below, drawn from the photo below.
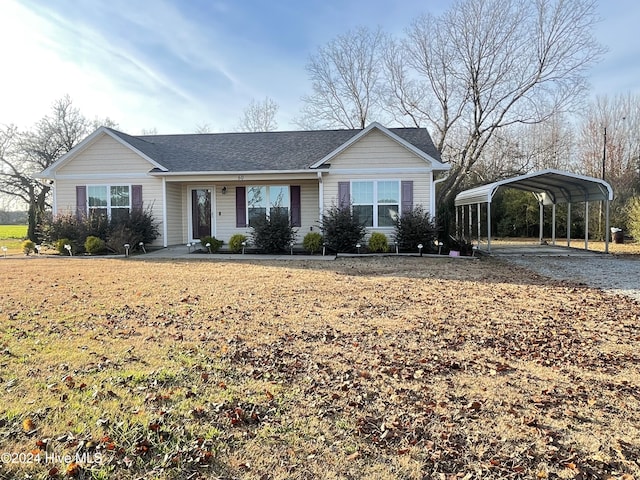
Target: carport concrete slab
(541, 251)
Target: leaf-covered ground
(360, 368)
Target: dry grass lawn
(386, 368)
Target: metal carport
(550, 187)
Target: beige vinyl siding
(225, 205)
(376, 150)
(175, 201)
(106, 155)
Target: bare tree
(202, 128)
(346, 78)
(24, 154)
(259, 116)
(485, 65)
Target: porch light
(439, 245)
(291, 247)
(358, 247)
(141, 245)
(208, 245)
(67, 247)
(396, 244)
(126, 249)
(224, 190)
(4, 251)
(38, 247)
(420, 247)
(324, 248)
(189, 247)
(244, 244)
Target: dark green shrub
(135, 227)
(273, 234)
(94, 245)
(214, 244)
(312, 242)
(416, 227)
(28, 247)
(341, 229)
(235, 242)
(60, 243)
(633, 217)
(378, 243)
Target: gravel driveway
(620, 275)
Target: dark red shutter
(296, 208)
(344, 194)
(406, 188)
(136, 197)
(81, 201)
(241, 207)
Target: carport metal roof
(550, 186)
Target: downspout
(433, 192)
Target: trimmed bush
(138, 226)
(235, 242)
(416, 227)
(94, 245)
(28, 247)
(312, 242)
(378, 243)
(273, 234)
(214, 244)
(341, 229)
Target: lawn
(379, 368)
(11, 236)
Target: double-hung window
(264, 200)
(112, 201)
(376, 203)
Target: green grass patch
(17, 232)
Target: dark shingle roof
(255, 151)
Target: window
(263, 200)
(112, 201)
(376, 203)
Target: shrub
(28, 247)
(378, 243)
(235, 242)
(214, 243)
(312, 242)
(415, 227)
(135, 227)
(273, 234)
(341, 229)
(60, 243)
(633, 217)
(94, 245)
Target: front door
(201, 220)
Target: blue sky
(175, 64)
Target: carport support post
(489, 227)
(470, 223)
(607, 230)
(479, 229)
(568, 224)
(457, 223)
(541, 226)
(553, 224)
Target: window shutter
(241, 207)
(407, 195)
(296, 210)
(344, 195)
(136, 197)
(81, 201)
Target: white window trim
(108, 207)
(375, 196)
(267, 198)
